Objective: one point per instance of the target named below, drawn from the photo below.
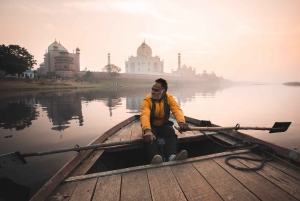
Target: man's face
(157, 91)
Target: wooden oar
(278, 127)
(15, 158)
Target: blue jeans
(167, 132)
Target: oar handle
(30, 154)
(94, 146)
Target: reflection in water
(183, 95)
(17, 113)
(112, 102)
(63, 107)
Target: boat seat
(161, 142)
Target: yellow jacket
(159, 117)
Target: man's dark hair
(163, 83)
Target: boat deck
(200, 178)
(205, 177)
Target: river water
(40, 121)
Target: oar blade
(280, 127)
(11, 159)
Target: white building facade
(144, 62)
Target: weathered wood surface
(163, 185)
(260, 186)
(135, 186)
(84, 190)
(108, 188)
(136, 131)
(223, 183)
(283, 166)
(278, 178)
(65, 191)
(194, 186)
(208, 178)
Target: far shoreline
(44, 84)
(292, 83)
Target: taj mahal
(144, 62)
(57, 59)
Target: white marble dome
(144, 50)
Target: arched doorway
(132, 67)
(155, 67)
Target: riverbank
(14, 84)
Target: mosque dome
(60, 47)
(144, 49)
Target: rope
(245, 145)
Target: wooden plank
(193, 185)
(163, 185)
(84, 190)
(280, 179)
(224, 183)
(108, 188)
(122, 132)
(117, 136)
(86, 165)
(283, 166)
(262, 188)
(136, 131)
(143, 167)
(135, 186)
(64, 191)
(126, 136)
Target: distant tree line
(15, 59)
(111, 69)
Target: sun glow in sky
(241, 40)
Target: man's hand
(148, 136)
(183, 127)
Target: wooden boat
(122, 172)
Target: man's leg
(152, 148)
(167, 132)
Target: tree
(111, 68)
(15, 59)
(88, 74)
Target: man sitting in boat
(155, 113)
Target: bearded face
(157, 91)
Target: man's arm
(178, 114)
(145, 120)
(145, 114)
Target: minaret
(179, 62)
(108, 64)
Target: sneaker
(156, 159)
(183, 154)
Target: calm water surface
(34, 121)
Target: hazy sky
(242, 40)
